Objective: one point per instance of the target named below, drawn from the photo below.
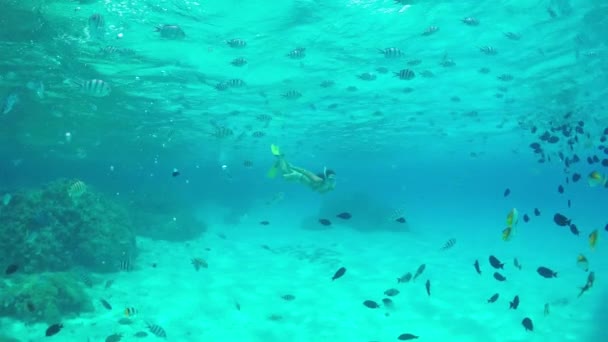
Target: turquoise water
(438, 149)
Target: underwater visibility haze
(303, 170)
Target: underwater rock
(49, 229)
(46, 297)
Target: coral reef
(46, 297)
(57, 228)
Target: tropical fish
(514, 303)
(506, 233)
(470, 21)
(94, 88)
(130, 312)
(407, 337)
(495, 262)
(589, 284)
(10, 102)
(499, 277)
(325, 222)
(297, 53)
(430, 30)
(405, 278)
(516, 264)
(239, 62)
(391, 52)
(574, 229)
(339, 273)
(391, 292)
(546, 272)
(387, 302)
(494, 298)
(171, 32)
(371, 304)
(53, 329)
(527, 323)
(76, 189)
(561, 220)
(546, 310)
(507, 192)
(449, 244)
(405, 74)
(476, 265)
(199, 263)
(97, 25)
(596, 179)
(236, 43)
(593, 239)
(427, 286)
(582, 262)
(344, 215)
(419, 271)
(105, 304)
(512, 218)
(114, 338)
(6, 199)
(157, 330)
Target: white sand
(200, 306)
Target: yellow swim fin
(275, 150)
(272, 173)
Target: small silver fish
(9, 102)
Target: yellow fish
(582, 262)
(593, 239)
(506, 233)
(512, 218)
(596, 179)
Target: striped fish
(405, 74)
(157, 330)
(239, 62)
(97, 26)
(297, 53)
(94, 87)
(235, 83)
(488, 50)
(391, 52)
(76, 189)
(430, 30)
(125, 265)
(236, 43)
(449, 244)
(292, 95)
